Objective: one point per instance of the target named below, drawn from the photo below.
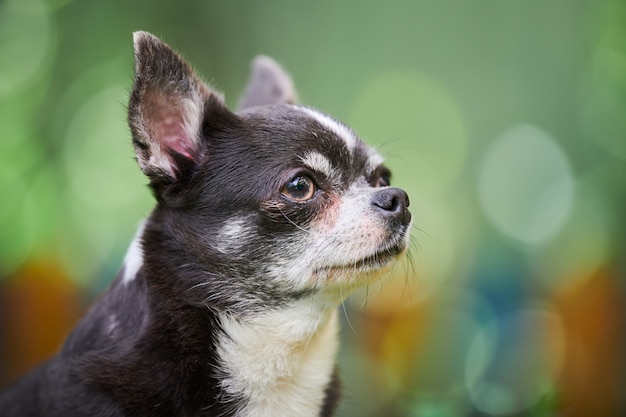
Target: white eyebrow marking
(320, 163)
(375, 160)
(338, 128)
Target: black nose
(393, 203)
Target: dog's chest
(281, 365)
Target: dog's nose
(393, 203)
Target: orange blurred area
(453, 354)
(39, 306)
(593, 376)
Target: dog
(226, 305)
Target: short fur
(227, 301)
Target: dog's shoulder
(118, 318)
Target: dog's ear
(268, 84)
(167, 110)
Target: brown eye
(299, 189)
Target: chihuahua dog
(226, 305)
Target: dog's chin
(366, 268)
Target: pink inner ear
(171, 128)
(173, 135)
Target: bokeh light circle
(17, 236)
(417, 126)
(514, 362)
(440, 328)
(374, 383)
(26, 184)
(525, 184)
(99, 157)
(603, 111)
(107, 192)
(26, 42)
(27, 215)
(583, 245)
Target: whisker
(202, 284)
(380, 288)
(390, 145)
(306, 346)
(367, 295)
(409, 272)
(345, 312)
(420, 230)
(292, 222)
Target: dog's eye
(300, 188)
(384, 180)
(381, 177)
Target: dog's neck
(281, 361)
(268, 363)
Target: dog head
(260, 206)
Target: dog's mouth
(376, 261)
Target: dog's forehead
(330, 125)
(319, 141)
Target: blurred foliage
(505, 120)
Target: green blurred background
(505, 120)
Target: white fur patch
(133, 261)
(112, 324)
(320, 163)
(233, 233)
(375, 160)
(339, 129)
(281, 361)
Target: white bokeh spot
(525, 184)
